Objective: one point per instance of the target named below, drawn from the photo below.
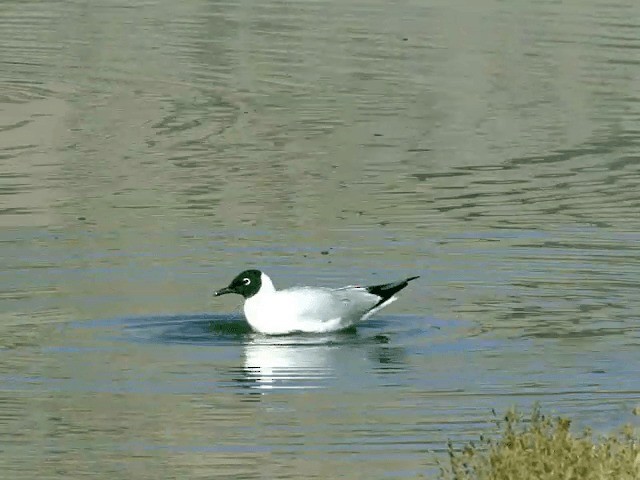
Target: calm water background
(151, 150)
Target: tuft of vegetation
(544, 448)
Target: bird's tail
(386, 291)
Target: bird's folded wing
(325, 304)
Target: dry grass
(543, 448)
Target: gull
(307, 309)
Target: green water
(149, 151)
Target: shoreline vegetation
(544, 448)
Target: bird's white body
(309, 309)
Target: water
(151, 151)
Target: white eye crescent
(246, 281)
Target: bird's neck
(266, 285)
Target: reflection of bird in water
(288, 363)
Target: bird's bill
(223, 291)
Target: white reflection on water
(289, 362)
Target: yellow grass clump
(544, 448)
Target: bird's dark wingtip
(386, 291)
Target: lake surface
(149, 151)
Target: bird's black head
(247, 284)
